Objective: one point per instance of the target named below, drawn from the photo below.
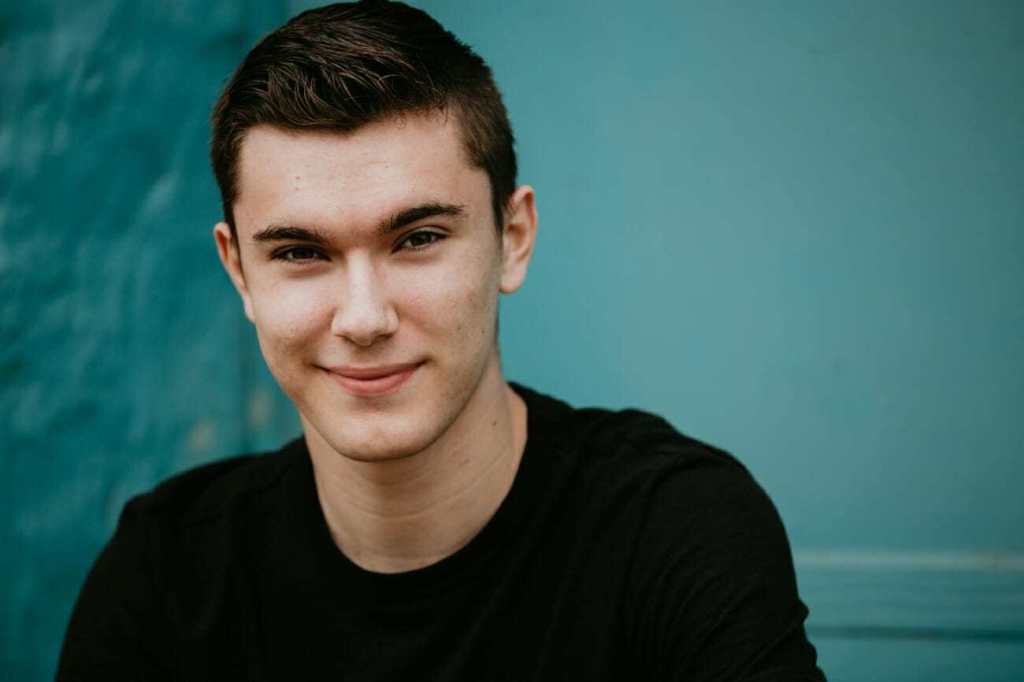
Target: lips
(372, 381)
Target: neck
(403, 514)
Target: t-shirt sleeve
(714, 585)
(118, 628)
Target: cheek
(285, 317)
(462, 304)
(455, 302)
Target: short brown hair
(342, 66)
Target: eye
(298, 254)
(418, 241)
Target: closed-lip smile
(373, 380)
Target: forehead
(354, 176)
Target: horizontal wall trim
(924, 634)
(1012, 562)
(864, 593)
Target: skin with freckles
(371, 267)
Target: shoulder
(210, 490)
(636, 450)
(663, 498)
(689, 541)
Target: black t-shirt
(623, 550)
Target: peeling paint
(201, 437)
(259, 408)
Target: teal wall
(124, 355)
(794, 228)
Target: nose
(364, 312)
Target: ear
(231, 259)
(517, 239)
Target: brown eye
(298, 254)
(420, 240)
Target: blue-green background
(795, 228)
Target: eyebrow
(393, 223)
(411, 215)
(280, 233)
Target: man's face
(370, 265)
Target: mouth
(372, 381)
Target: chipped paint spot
(61, 137)
(160, 195)
(259, 408)
(92, 84)
(201, 436)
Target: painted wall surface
(796, 229)
(124, 356)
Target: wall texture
(796, 231)
(124, 355)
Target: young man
(433, 522)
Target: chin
(378, 451)
(380, 442)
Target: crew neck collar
(511, 519)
